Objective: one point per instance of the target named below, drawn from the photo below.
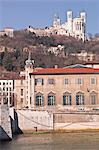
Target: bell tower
(83, 27)
(56, 21)
(28, 69)
(70, 21)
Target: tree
(7, 62)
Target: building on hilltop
(85, 56)
(75, 27)
(8, 32)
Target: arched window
(80, 98)
(67, 99)
(39, 99)
(93, 97)
(51, 99)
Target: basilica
(75, 27)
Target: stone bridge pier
(5, 121)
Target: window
(70, 16)
(39, 100)
(39, 81)
(77, 26)
(93, 97)
(66, 81)
(79, 81)
(3, 88)
(0, 83)
(51, 99)
(10, 100)
(10, 89)
(30, 100)
(21, 100)
(93, 81)
(7, 88)
(67, 99)
(79, 98)
(21, 82)
(51, 81)
(21, 92)
(3, 83)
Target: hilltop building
(85, 56)
(75, 27)
(8, 32)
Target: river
(54, 141)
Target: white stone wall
(28, 120)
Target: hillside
(14, 51)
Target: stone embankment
(18, 121)
(5, 123)
(42, 120)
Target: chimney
(56, 66)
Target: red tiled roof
(65, 71)
(11, 76)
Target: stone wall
(5, 123)
(43, 120)
(34, 120)
(78, 121)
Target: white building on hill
(75, 27)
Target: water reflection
(54, 141)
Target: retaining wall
(43, 120)
(34, 120)
(76, 121)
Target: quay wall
(34, 120)
(43, 120)
(76, 121)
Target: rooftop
(10, 76)
(50, 71)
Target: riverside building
(7, 88)
(73, 88)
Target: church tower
(83, 16)
(28, 69)
(70, 21)
(83, 27)
(56, 21)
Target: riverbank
(54, 141)
(60, 131)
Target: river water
(54, 141)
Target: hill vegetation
(14, 51)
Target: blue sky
(19, 14)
